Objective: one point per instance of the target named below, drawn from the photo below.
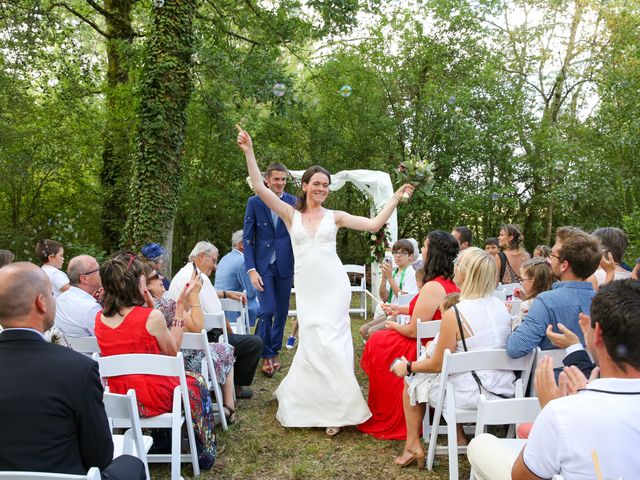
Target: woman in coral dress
(127, 326)
(385, 389)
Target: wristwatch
(409, 372)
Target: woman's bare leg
(413, 416)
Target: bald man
(77, 307)
(51, 409)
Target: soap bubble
(622, 351)
(559, 165)
(495, 196)
(158, 3)
(279, 89)
(452, 99)
(294, 12)
(345, 91)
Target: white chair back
(92, 474)
(557, 354)
(216, 320)
(505, 411)
(425, 330)
(125, 408)
(462, 362)
(84, 344)
(231, 305)
(162, 365)
(405, 299)
(199, 341)
(360, 288)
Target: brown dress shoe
(267, 367)
(275, 363)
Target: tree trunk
(164, 96)
(116, 152)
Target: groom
(268, 258)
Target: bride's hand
(244, 140)
(406, 188)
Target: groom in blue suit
(268, 259)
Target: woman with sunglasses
(221, 353)
(126, 325)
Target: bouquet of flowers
(380, 241)
(418, 172)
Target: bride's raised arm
(282, 209)
(364, 224)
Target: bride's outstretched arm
(364, 224)
(282, 209)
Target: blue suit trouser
(274, 307)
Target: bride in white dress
(320, 389)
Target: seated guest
(231, 275)
(478, 322)
(127, 326)
(464, 236)
(536, 278)
(221, 353)
(598, 421)
(542, 251)
(247, 347)
(492, 246)
(395, 281)
(385, 389)
(614, 243)
(154, 252)
(51, 409)
(512, 255)
(51, 255)
(6, 257)
(574, 257)
(77, 307)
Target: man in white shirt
(77, 307)
(601, 420)
(247, 347)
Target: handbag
(473, 372)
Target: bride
(320, 389)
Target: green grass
(257, 447)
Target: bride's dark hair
(306, 178)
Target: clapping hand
(570, 381)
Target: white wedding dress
(320, 389)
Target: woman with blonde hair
(483, 322)
(512, 255)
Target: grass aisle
(257, 447)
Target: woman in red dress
(127, 326)
(385, 389)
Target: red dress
(154, 393)
(385, 388)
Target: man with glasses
(77, 307)
(574, 258)
(204, 257)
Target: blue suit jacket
(261, 238)
(231, 275)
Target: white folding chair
(216, 320)
(360, 288)
(163, 365)
(239, 325)
(92, 474)
(425, 330)
(199, 341)
(557, 354)
(293, 312)
(495, 359)
(505, 412)
(405, 299)
(87, 345)
(124, 408)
